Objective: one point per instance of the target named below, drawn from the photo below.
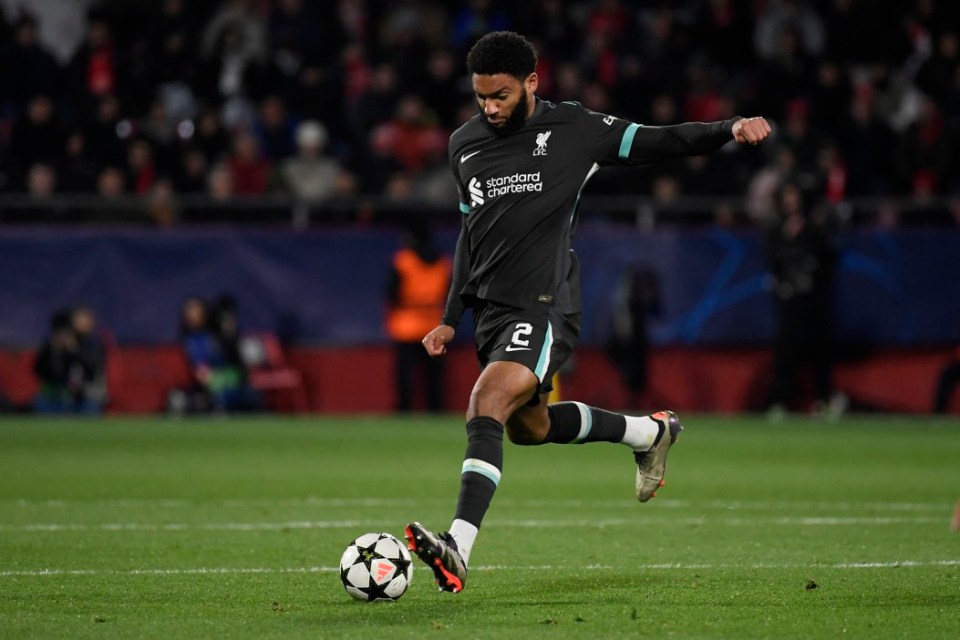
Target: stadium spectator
(881, 84)
(171, 43)
(375, 101)
(441, 87)
(475, 19)
(35, 138)
(40, 206)
(93, 71)
(768, 181)
(58, 368)
(78, 169)
(29, 68)
(92, 354)
(312, 174)
(191, 173)
(249, 170)
(103, 141)
(868, 145)
(162, 206)
(220, 185)
(210, 136)
(71, 365)
(217, 378)
(141, 171)
(411, 137)
(416, 292)
(794, 17)
(275, 129)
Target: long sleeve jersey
(520, 192)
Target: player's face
(504, 101)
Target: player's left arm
(692, 138)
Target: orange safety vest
(421, 297)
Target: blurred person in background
(312, 174)
(92, 353)
(637, 298)
(93, 72)
(275, 129)
(70, 367)
(34, 138)
(217, 377)
(41, 187)
(29, 68)
(58, 368)
(802, 257)
(78, 169)
(947, 382)
(162, 206)
(249, 170)
(115, 203)
(416, 293)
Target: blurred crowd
(322, 99)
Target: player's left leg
(649, 437)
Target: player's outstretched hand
(751, 130)
(436, 341)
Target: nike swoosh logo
(467, 156)
(513, 348)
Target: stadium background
(128, 180)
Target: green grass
(232, 529)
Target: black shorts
(539, 339)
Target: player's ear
(531, 82)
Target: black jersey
(519, 195)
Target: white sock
(641, 432)
(465, 534)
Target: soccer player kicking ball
(520, 165)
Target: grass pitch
(234, 528)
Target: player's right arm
(435, 342)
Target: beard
(516, 120)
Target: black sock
(482, 463)
(576, 423)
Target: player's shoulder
(567, 112)
(569, 109)
(470, 131)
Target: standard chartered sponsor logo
(476, 193)
(517, 183)
(502, 185)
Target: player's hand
(751, 131)
(436, 341)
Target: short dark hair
(502, 52)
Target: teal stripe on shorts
(544, 362)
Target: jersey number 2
(523, 329)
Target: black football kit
(519, 195)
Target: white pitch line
(373, 503)
(521, 524)
(679, 566)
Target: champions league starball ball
(376, 566)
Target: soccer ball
(376, 566)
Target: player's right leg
(441, 554)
